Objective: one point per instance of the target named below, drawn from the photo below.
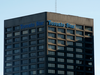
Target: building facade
(49, 44)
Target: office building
(49, 44)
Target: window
(40, 65)
(32, 54)
(16, 68)
(25, 38)
(79, 27)
(41, 35)
(51, 29)
(70, 73)
(24, 67)
(51, 47)
(40, 47)
(32, 72)
(70, 31)
(9, 40)
(9, 58)
(16, 28)
(79, 50)
(41, 41)
(79, 67)
(16, 51)
(70, 67)
(69, 49)
(61, 72)
(51, 65)
(16, 33)
(41, 59)
(51, 71)
(24, 61)
(51, 59)
(79, 32)
(32, 42)
(60, 54)
(16, 45)
(70, 61)
(70, 55)
(24, 43)
(41, 29)
(16, 73)
(79, 39)
(51, 52)
(17, 57)
(89, 63)
(52, 35)
(8, 29)
(32, 48)
(25, 32)
(8, 52)
(24, 55)
(61, 42)
(61, 36)
(24, 73)
(52, 41)
(25, 50)
(41, 53)
(32, 60)
(88, 28)
(8, 46)
(9, 70)
(61, 48)
(79, 62)
(9, 35)
(61, 30)
(16, 62)
(79, 56)
(16, 39)
(32, 30)
(9, 64)
(40, 71)
(32, 66)
(70, 37)
(70, 43)
(61, 66)
(79, 44)
(88, 34)
(32, 36)
(60, 60)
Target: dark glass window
(88, 34)
(32, 66)
(32, 30)
(16, 45)
(32, 36)
(79, 62)
(9, 70)
(41, 35)
(52, 35)
(51, 29)
(8, 46)
(25, 38)
(69, 49)
(32, 60)
(79, 50)
(41, 53)
(79, 32)
(32, 48)
(41, 29)
(25, 50)
(88, 28)
(70, 55)
(9, 40)
(17, 51)
(61, 72)
(25, 32)
(79, 56)
(8, 29)
(16, 28)
(16, 33)
(32, 54)
(51, 59)
(24, 43)
(9, 58)
(79, 39)
(24, 73)
(70, 31)
(70, 61)
(61, 30)
(41, 59)
(79, 27)
(70, 37)
(16, 39)
(24, 67)
(32, 72)
(16, 73)
(9, 35)
(40, 71)
(79, 44)
(52, 41)
(51, 52)
(61, 36)
(32, 42)
(51, 71)
(51, 47)
(16, 68)
(61, 47)
(61, 42)
(40, 65)
(41, 41)
(17, 57)
(16, 63)
(41, 47)
(60, 60)
(9, 64)
(60, 54)
(70, 73)
(24, 61)
(51, 65)
(70, 43)
(8, 52)
(24, 55)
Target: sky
(83, 8)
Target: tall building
(48, 44)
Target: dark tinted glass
(51, 29)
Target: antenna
(55, 5)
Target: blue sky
(83, 8)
